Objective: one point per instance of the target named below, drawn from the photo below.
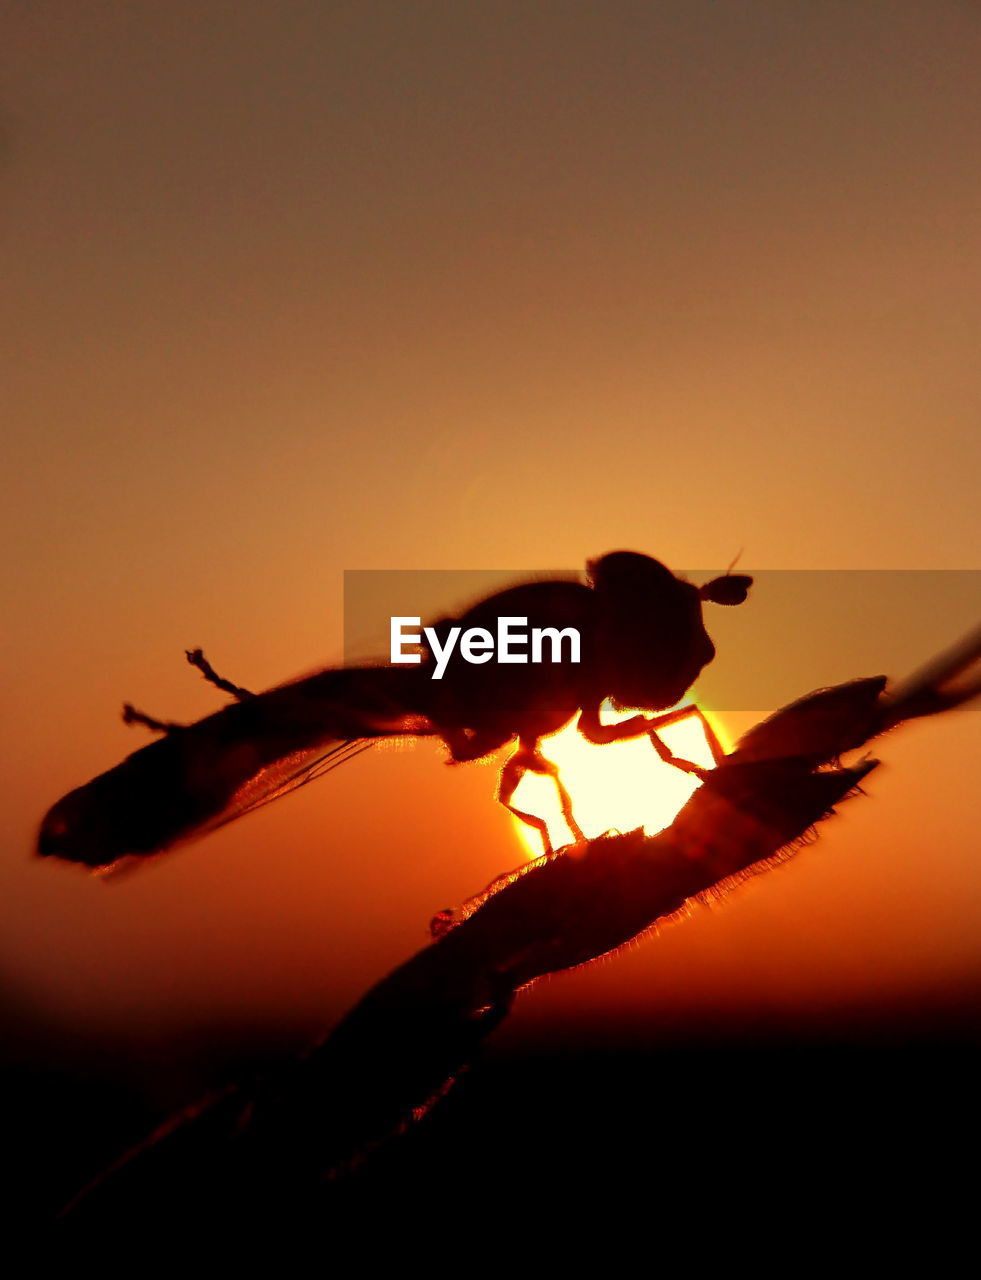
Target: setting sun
(621, 786)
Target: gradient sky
(298, 288)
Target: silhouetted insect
(643, 643)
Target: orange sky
(302, 288)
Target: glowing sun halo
(619, 786)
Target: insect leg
(668, 756)
(683, 713)
(132, 716)
(197, 659)
(593, 731)
(538, 764)
(512, 773)
(665, 752)
(528, 759)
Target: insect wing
(279, 779)
(201, 776)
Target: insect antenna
(731, 588)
